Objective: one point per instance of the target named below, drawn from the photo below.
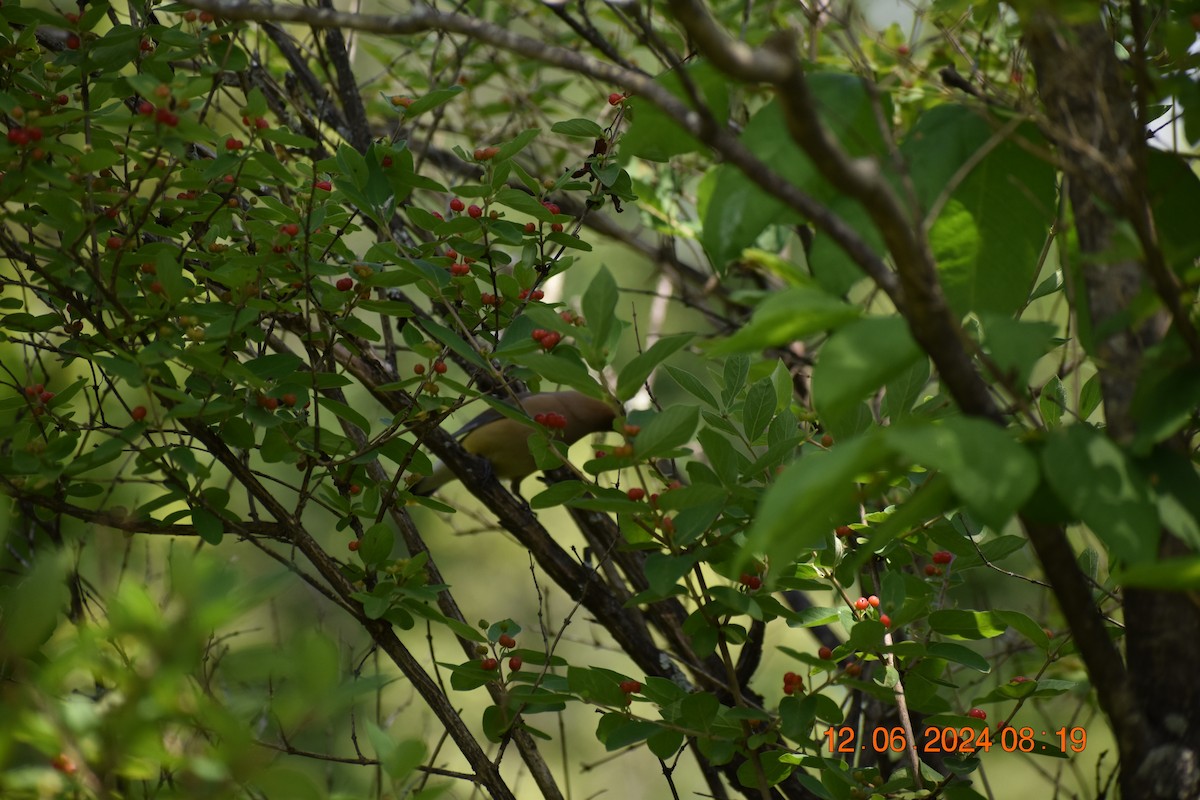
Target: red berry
(506, 641)
(289, 399)
(46, 397)
(902, 50)
(539, 334)
(791, 677)
(931, 570)
(457, 205)
(474, 211)
(261, 123)
(536, 294)
(943, 557)
(854, 669)
(1019, 679)
(630, 687)
(977, 713)
(552, 208)
(269, 403)
(826, 441)
(489, 664)
(791, 688)
(233, 144)
(345, 284)
(459, 269)
(145, 108)
(861, 604)
(514, 664)
(440, 367)
(530, 227)
(73, 42)
(206, 16)
(385, 162)
(355, 489)
(754, 583)
(550, 340)
(64, 764)
(825, 653)
(167, 117)
(62, 99)
(114, 242)
(289, 229)
(885, 620)
(353, 545)
(146, 45)
(844, 530)
(874, 601)
(324, 186)
(556, 227)
(487, 299)
(635, 494)
(138, 413)
(419, 369)
(615, 99)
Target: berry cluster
(552, 420)
(547, 339)
(872, 602)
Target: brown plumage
(504, 442)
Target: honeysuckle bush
(901, 322)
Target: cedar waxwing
(505, 442)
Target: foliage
(249, 270)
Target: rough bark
(1091, 118)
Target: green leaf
(432, 100)
(737, 210)
(961, 624)
(1052, 402)
(758, 409)
(399, 759)
(376, 544)
(856, 361)
(635, 373)
(786, 317)
(583, 128)
(664, 432)
(904, 390)
(990, 232)
(1094, 479)
(343, 411)
(692, 385)
(599, 307)
(991, 474)
(653, 135)
(208, 525)
(959, 655)
(1171, 574)
(1015, 345)
(812, 497)
(665, 743)
(516, 144)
